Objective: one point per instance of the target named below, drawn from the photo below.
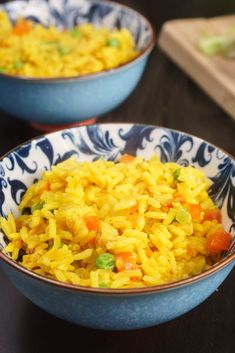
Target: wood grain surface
(215, 74)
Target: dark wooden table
(167, 97)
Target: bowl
(117, 309)
(67, 100)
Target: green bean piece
(105, 261)
(176, 173)
(183, 216)
(63, 50)
(103, 285)
(75, 32)
(113, 42)
(37, 206)
(18, 64)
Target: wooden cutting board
(216, 75)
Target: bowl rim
(99, 74)
(115, 291)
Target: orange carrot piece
(212, 214)
(134, 209)
(179, 198)
(190, 251)
(92, 223)
(92, 242)
(195, 210)
(22, 27)
(218, 242)
(148, 252)
(126, 158)
(125, 261)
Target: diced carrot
(195, 210)
(22, 27)
(125, 261)
(124, 255)
(148, 252)
(134, 279)
(126, 158)
(92, 242)
(134, 209)
(92, 223)
(44, 187)
(168, 204)
(190, 251)
(218, 242)
(179, 198)
(212, 214)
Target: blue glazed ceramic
(66, 100)
(117, 309)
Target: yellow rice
(49, 52)
(130, 201)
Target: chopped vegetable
(183, 216)
(195, 210)
(75, 32)
(103, 285)
(218, 242)
(22, 27)
(113, 42)
(179, 198)
(2, 69)
(62, 50)
(126, 158)
(18, 64)
(37, 206)
(92, 223)
(105, 261)
(221, 44)
(125, 261)
(176, 173)
(212, 214)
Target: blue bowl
(117, 309)
(67, 100)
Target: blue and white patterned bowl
(112, 308)
(67, 100)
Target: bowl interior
(24, 165)
(68, 13)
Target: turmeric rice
(32, 50)
(125, 224)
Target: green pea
(63, 50)
(113, 42)
(18, 64)
(75, 32)
(105, 261)
(2, 69)
(103, 285)
(37, 206)
(176, 173)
